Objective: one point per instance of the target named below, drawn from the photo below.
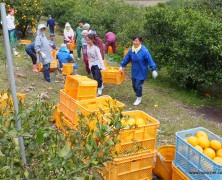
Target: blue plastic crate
(192, 162)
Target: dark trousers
(32, 54)
(79, 48)
(46, 72)
(97, 75)
(10, 31)
(51, 28)
(112, 44)
(137, 87)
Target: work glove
(120, 68)
(43, 55)
(154, 74)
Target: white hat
(63, 45)
(84, 32)
(40, 26)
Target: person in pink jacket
(110, 38)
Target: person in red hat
(10, 20)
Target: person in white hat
(43, 49)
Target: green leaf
(40, 137)
(65, 151)
(26, 174)
(3, 169)
(1, 154)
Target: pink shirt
(110, 36)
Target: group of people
(91, 47)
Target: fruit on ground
(199, 148)
(218, 160)
(209, 152)
(201, 133)
(203, 142)
(140, 122)
(219, 153)
(193, 140)
(215, 144)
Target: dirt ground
(211, 113)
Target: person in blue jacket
(51, 24)
(141, 59)
(64, 57)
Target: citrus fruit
(201, 133)
(140, 122)
(209, 153)
(193, 140)
(215, 144)
(204, 142)
(199, 148)
(218, 160)
(131, 121)
(219, 153)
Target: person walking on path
(78, 38)
(110, 39)
(96, 63)
(43, 49)
(10, 20)
(84, 50)
(30, 50)
(141, 59)
(68, 34)
(51, 24)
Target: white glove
(120, 68)
(43, 55)
(154, 74)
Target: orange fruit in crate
(204, 142)
(201, 133)
(209, 152)
(199, 148)
(192, 140)
(219, 153)
(140, 122)
(130, 122)
(215, 144)
(218, 160)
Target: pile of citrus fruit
(130, 122)
(211, 148)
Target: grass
(176, 109)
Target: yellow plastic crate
(178, 174)
(80, 87)
(68, 106)
(54, 54)
(67, 69)
(138, 167)
(139, 139)
(60, 119)
(71, 46)
(113, 75)
(26, 42)
(164, 159)
(97, 105)
(53, 66)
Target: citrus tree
(26, 13)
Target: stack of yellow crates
(136, 149)
(79, 97)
